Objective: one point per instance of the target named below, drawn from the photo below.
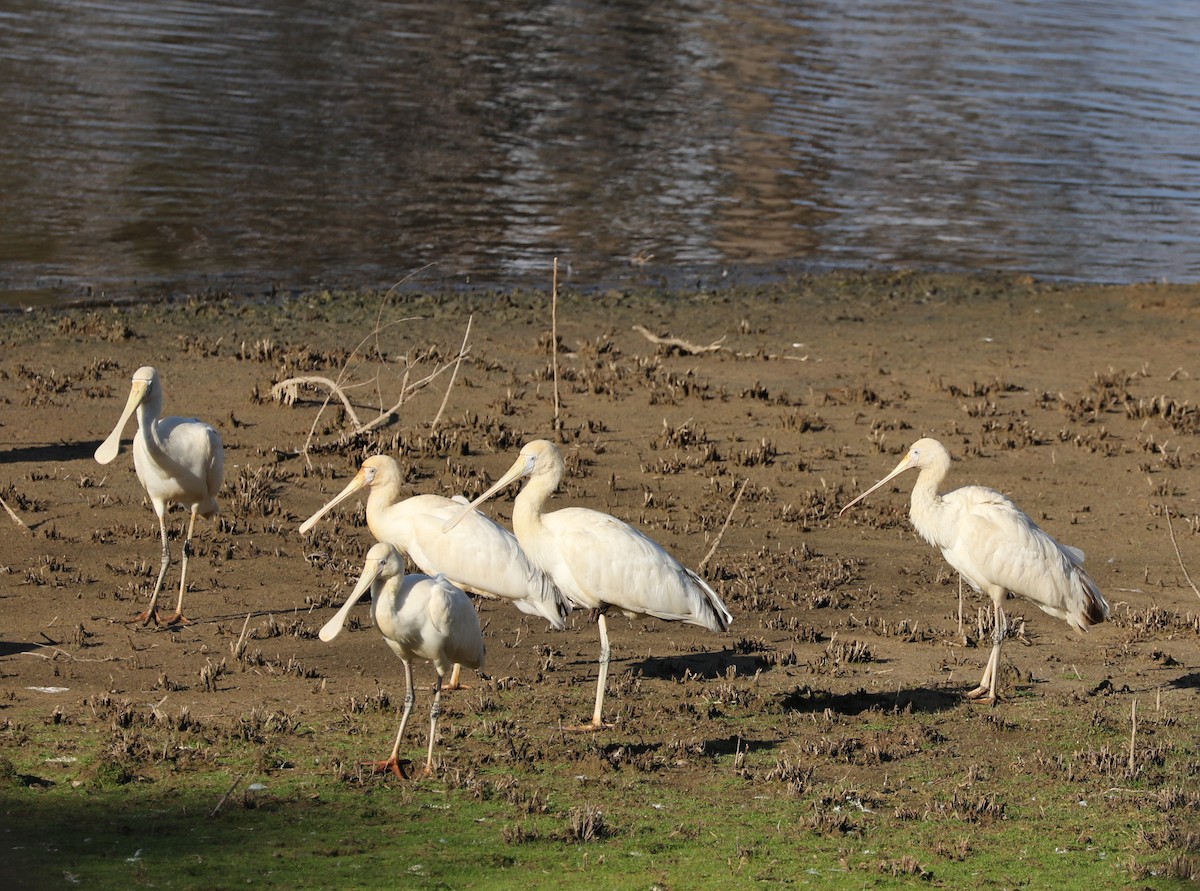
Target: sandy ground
(1081, 403)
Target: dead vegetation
(838, 686)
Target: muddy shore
(1082, 403)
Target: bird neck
(384, 492)
(530, 505)
(148, 412)
(926, 503)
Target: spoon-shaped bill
(904, 465)
(111, 446)
(353, 486)
(333, 627)
(521, 468)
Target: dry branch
(462, 352)
(721, 534)
(554, 338)
(15, 518)
(288, 391)
(1178, 556)
(682, 345)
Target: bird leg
(434, 711)
(178, 617)
(150, 614)
(986, 691)
(393, 763)
(455, 683)
(605, 657)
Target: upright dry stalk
(1132, 736)
(462, 351)
(554, 337)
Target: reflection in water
(191, 144)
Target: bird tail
(714, 615)
(546, 600)
(1090, 607)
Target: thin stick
(225, 797)
(462, 351)
(554, 337)
(721, 534)
(288, 392)
(682, 345)
(1178, 556)
(238, 648)
(16, 519)
(1132, 736)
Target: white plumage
(598, 561)
(480, 556)
(177, 460)
(997, 548)
(420, 618)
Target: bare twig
(338, 388)
(225, 797)
(462, 352)
(240, 647)
(554, 337)
(15, 518)
(682, 345)
(1178, 556)
(288, 392)
(1132, 737)
(64, 654)
(721, 534)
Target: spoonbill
(481, 557)
(997, 548)
(177, 460)
(420, 617)
(599, 561)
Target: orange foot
(145, 617)
(395, 765)
(153, 615)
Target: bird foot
(145, 618)
(982, 694)
(588, 728)
(395, 765)
(152, 615)
(458, 686)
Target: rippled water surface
(150, 147)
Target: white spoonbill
(420, 618)
(176, 459)
(599, 561)
(481, 556)
(997, 549)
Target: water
(194, 145)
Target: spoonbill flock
(571, 558)
(480, 556)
